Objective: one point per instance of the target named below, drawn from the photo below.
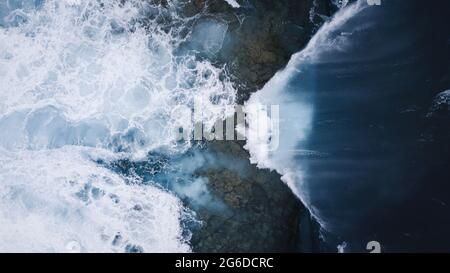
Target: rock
(199, 3)
(263, 213)
(262, 37)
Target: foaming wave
(88, 73)
(296, 110)
(61, 201)
(84, 81)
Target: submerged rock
(262, 213)
(255, 211)
(263, 35)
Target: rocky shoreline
(262, 212)
(264, 215)
(236, 206)
(262, 35)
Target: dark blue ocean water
(362, 106)
(360, 140)
(386, 173)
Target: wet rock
(262, 211)
(264, 34)
(261, 35)
(159, 2)
(199, 3)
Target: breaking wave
(87, 81)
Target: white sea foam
(80, 73)
(82, 80)
(233, 3)
(61, 201)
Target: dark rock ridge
(264, 214)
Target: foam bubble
(86, 80)
(87, 73)
(61, 201)
(233, 3)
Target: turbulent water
(84, 84)
(292, 91)
(354, 141)
(93, 91)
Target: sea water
(85, 83)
